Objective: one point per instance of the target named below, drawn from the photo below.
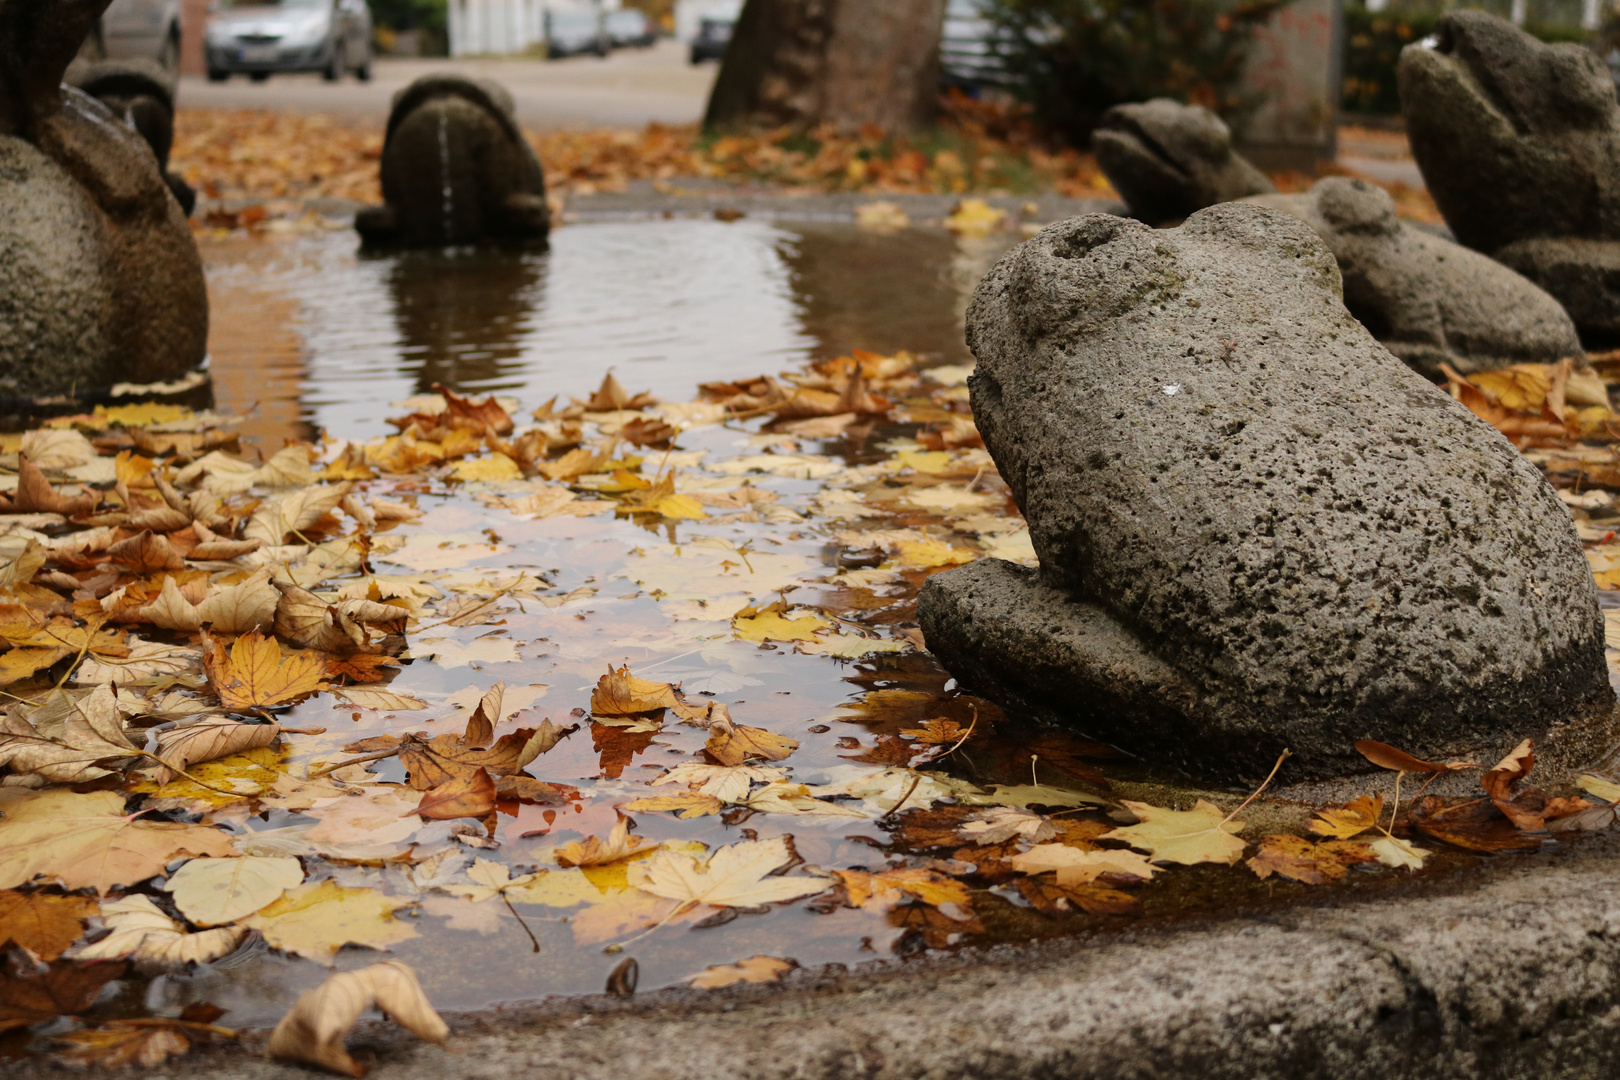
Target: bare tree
(844, 62)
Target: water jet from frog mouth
(444, 178)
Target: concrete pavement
(629, 89)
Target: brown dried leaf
(43, 923)
(146, 553)
(314, 1028)
(1386, 756)
(255, 674)
(35, 495)
(731, 743)
(468, 795)
(1312, 863)
(594, 851)
(1357, 817)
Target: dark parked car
(712, 38)
(628, 28)
(258, 38)
(572, 33)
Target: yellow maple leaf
(738, 875)
(619, 693)
(1357, 817)
(756, 969)
(494, 468)
(1202, 834)
(772, 624)
(255, 673)
(316, 920)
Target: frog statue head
(1168, 160)
(100, 280)
(1519, 143)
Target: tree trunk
(847, 63)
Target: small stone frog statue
(456, 170)
(100, 280)
(1519, 143)
(141, 93)
(1168, 160)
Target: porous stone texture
(1519, 143)
(1168, 160)
(100, 281)
(1427, 300)
(140, 92)
(1257, 529)
(456, 169)
(1510, 973)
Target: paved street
(629, 89)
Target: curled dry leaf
(594, 851)
(756, 969)
(314, 1028)
(35, 495)
(143, 933)
(619, 693)
(311, 623)
(1386, 756)
(731, 743)
(207, 739)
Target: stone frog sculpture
(1168, 160)
(100, 281)
(1519, 143)
(456, 169)
(141, 93)
(1427, 300)
(1256, 528)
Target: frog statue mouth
(1169, 160)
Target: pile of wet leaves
(271, 710)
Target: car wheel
(259, 76)
(216, 75)
(363, 72)
(334, 66)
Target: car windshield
(716, 28)
(574, 21)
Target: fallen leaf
(690, 805)
(88, 842)
(117, 1046)
(732, 744)
(887, 888)
(1602, 787)
(462, 795)
(772, 624)
(1471, 824)
(35, 494)
(1202, 834)
(1078, 867)
(30, 993)
(143, 933)
(594, 851)
(213, 892)
(208, 739)
(314, 1028)
(756, 969)
(1386, 756)
(1027, 795)
(619, 693)
(317, 919)
(1357, 817)
(1312, 863)
(1051, 897)
(1393, 851)
(738, 875)
(255, 674)
(937, 732)
(43, 923)
(784, 797)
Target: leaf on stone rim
(317, 919)
(1357, 817)
(1600, 787)
(255, 674)
(143, 933)
(1202, 834)
(87, 842)
(756, 969)
(43, 923)
(1312, 863)
(213, 892)
(314, 1028)
(738, 875)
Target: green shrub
(1073, 59)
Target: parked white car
(258, 38)
(137, 30)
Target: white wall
(505, 27)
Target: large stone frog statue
(1257, 529)
(456, 169)
(1168, 160)
(100, 281)
(1519, 143)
